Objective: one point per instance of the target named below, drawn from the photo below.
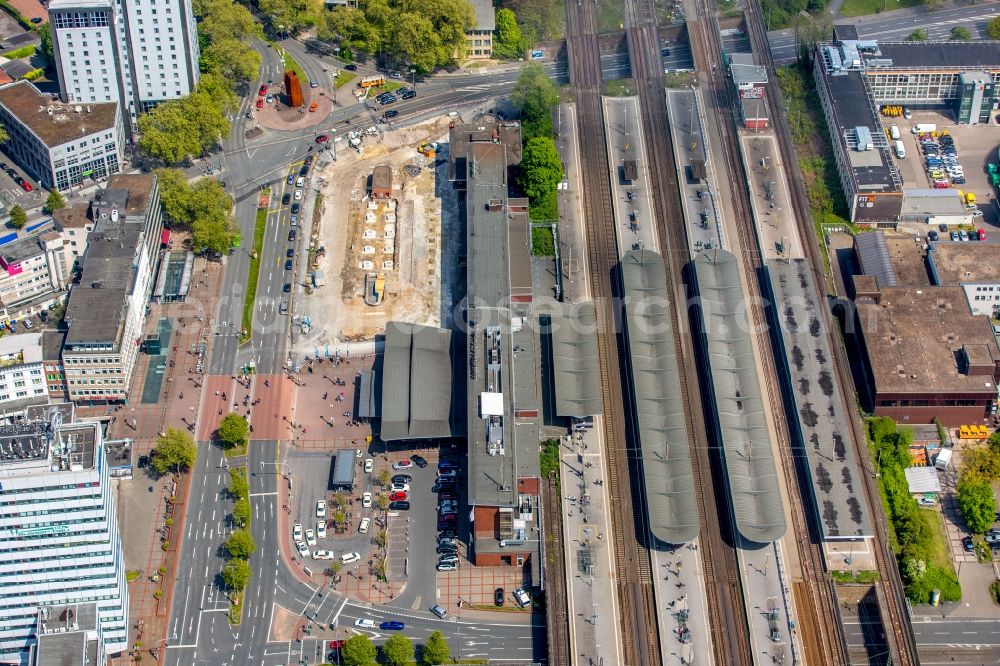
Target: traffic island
(250, 294)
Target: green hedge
(22, 52)
(12, 10)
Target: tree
(241, 512)
(214, 235)
(981, 463)
(933, 5)
(358, 651)
(976, 502)
(918, 35)
(509, 43)
(339, 518)
(45, 36)
(215, 86)
(175, 450)
(18, 218)
(382, 478)
(240, 544)
(234, 431)
(993, 28)
(4, 136)
(914, 569)
(335, 568)
(435, 650)
(236, 574)
(288, 16)
(179, 129)
(381, 502)
(54, 202)
(534, 96)
(541, 168)
(239, 487)
(960, 34)
(174, 191)
(540, 20)
(398, 650)
(232, 60)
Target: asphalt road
(897, 25)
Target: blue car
(391, 626)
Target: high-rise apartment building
(59, 536)
(134, 52)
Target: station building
(854, 77)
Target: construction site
(383, 216)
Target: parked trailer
(371, 81)
(924, 128)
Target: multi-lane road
(897, 26)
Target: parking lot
(976, 147)
(14, 194)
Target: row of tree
(359, 650)
(226, 31)
(912, 537)
(203, 208)
(541, 170)
(240, 545)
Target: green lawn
(251, 292)
(865, 7)
(619, 88)
(542, 243)
(343, 78)
(290, 63)
(610, 15)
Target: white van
(349, 558)
(894, 132)
(900, 149)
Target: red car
(26, 186)
(322, 138)
(263, 90)
(397, 497)
(447, 518)
(260, 102)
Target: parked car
(446, 465)
(398, 497)
(447, 532)
(448, 558)
(287, 287)
(310, 538)
(447, 550)
(399, 506)
(369, 465)
(447, 566)
(926, 501)
(522, 598)
(364, 525)
(982, 234)
(322, 138)
(297, 532)
(419, 461)
(498, 596)
(366, 500)
(447, 495)
(286, 198)
(290, 252)
(349, 558)
(439, 611)
(932, 235)
(402, 464)
(968, 544)
(288, 264)
(263, 90)
(365, 623)
(351, 67)
(391, 113)
(298, 195)
(400, 488)
(447, 510)
(302, 548)
(402, 478)
(962, 235)
(296, 207)
(321, 529)
(446, 541)
(442, 487)
(324, 555)
(321, 509)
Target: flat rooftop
(23, 442)
(823, 425)
(19, 250)
(24, 347)
(958, 263)
(502, 395)
(942, 55)
(138, 187)
(96, 305)
(909, 259)
(66, 635)
(64, 124)
(914, 336)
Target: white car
(365, 623)
(300, 182)
(297, 532)
(298, 195)
(302, 548)
(522, 598)
(402, 464)
(349, 558)
(363, 525)
(323, 555)
(366, 500)
(369, 465)
(321, 509)
(321, 529)
(926, 501)
(400, 488)
(310, 537)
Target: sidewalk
(142, 421)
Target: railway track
(640, 640)
(896, 609)
(557, 619)
(814, 598)
(727, 620)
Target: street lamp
(413, 78)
